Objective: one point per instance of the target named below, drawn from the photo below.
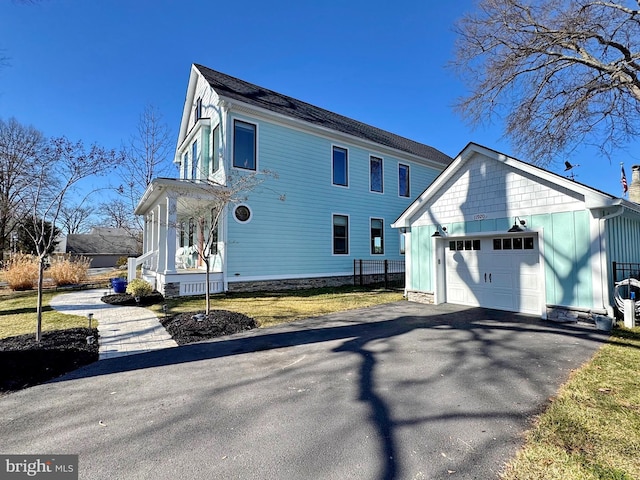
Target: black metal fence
(389, 273)
(622, 271)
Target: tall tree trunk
(40, 289)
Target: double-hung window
(185, 166)
(244, 145)
(340, 235)
(375, 172)
(216, 149)
(340, 167)
(403, 180)
(197, 114)
(377, 236)
(194, 160)
(214, 233)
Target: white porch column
(170, 234)
(162, 236)
(145, 235)
(153, 242)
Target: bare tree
(117, 214)
(147, 157)
(220, 198)
(76, 218)
(60, 166)
(563, 72)
(20, 146)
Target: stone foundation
(172, 290)
(420, 297)
(568, 315)
(289, 284)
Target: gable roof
(593, 198)
(233, 88)
(102, 243)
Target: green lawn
(273, 308)
(18, 314)
(592, 429)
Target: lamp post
(14, 242)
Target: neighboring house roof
(87, 244)
(593, 198)
(233, 88)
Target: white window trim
(195, 168)
(371, 238)
(233, 144)
(333, 214)
(381, 158)
(215, 156)
(400, 164)
(346, 149)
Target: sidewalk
(123, 330)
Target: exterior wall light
(437, 232)
(516, 227)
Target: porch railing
(149, 259)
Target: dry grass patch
(592, 429)
(21, 271)
(282, 307)
(66, 271)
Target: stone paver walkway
(122, 330)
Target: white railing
(149, 259)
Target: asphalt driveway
(395, 391)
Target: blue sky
(86, 69)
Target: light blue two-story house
(335, 187)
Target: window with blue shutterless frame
(244, 145)
(340, 166)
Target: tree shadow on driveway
(491, 351)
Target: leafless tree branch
(561, 72)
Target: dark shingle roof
(234, 88)
(98, 243)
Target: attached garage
(494, 272)
(495, 232)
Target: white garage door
(499, 272)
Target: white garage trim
(469, 270)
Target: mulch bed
(196, 326)
(125, 299)
(26, 363)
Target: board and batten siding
(294, 237)
(566, 245)
(623, 239)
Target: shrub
(138, 287)
(21, 272)
(67, 271)
(122, 262)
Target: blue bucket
(119, 285)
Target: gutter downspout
(604, 264)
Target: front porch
(175, 230)
(184, 282)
